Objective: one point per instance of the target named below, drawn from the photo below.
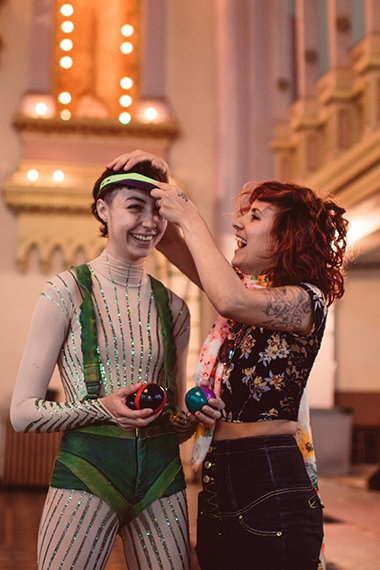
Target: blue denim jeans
(258, 510)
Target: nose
(238, 223)
(151, 218)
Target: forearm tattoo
(287, 308)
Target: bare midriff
(230, 430)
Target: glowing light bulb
(66, 44)
(125, 118)
(64, 97)
(41, 109)
(127, 30)
(58, 176)
(67, 10)
(66, 62)
(126, 82)
(67, 27)
(150, 113)
(32, 175)
(126, 47)
(125, 100)
(65, 115)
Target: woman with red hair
(259, 507)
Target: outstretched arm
(281, 308)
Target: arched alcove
(56, 261)
(32, 262)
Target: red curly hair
(310, 234)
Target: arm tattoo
(287, 308)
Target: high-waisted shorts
(128, 469)
(258, 509)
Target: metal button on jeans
(206, 479)
(208, 464)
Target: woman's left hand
(210, 413)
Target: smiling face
(134, 224)
(254, 255)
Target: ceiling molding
(97, 127)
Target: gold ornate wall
(331, 141)
(88, 116)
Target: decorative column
(305, 120)
(285, 90)
(336, 87)
(366, 64)
(247, 100)
(298, 138)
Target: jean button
(279, 533)
(208, 464)
(206, 479)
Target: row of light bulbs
(42, 108)
(33, 175)
(66, 62)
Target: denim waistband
(253, 443)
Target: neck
(119, 271)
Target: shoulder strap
(167, 328)
(89, 337)
(88, 333)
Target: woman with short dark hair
(111, 329)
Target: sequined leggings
(78, 530)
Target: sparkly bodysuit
(78, 527)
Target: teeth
(142, 237)
(240, 241)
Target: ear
(102, 210)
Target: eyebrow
(135, 197)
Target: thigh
(77, 530)
(159, 537)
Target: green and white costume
(79, 525)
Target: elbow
(225, 308)
(17, 420)
(232, 307)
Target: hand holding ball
(198, 397)
(147, 396)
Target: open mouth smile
(143, 238)
(241, 242)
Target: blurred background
(227, 91)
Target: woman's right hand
(126, 418)
(130, 159)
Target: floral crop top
(266, 376)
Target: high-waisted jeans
(258, 510)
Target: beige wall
(14, 27)
(358, 333)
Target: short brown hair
(108, 193)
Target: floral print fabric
(268, 371)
